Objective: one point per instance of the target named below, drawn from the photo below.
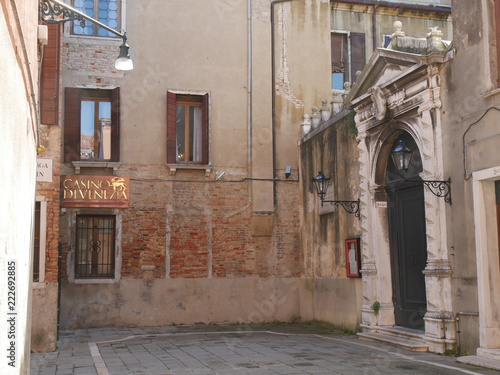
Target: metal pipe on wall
(249, 88)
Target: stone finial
(398, 29)
(347, 86)
(434, 31)
(326, 111)
(306, 125)
(398, 32)
(434, 40)
(315, 117)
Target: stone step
(407, 333)
(399, 342)
(489, 353)
(480, 361)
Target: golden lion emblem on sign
(118, 183)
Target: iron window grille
(95, 246)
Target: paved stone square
(233, 349)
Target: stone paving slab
(236, 349)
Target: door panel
(409, 256)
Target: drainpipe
(374, 27)
(249, 86)
(457, 326)
(59, 268)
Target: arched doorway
(407, 231)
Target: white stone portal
(400, 92)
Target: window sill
(175, 167)
(95, 281)
(95, 164)
(39, 285)
(490, 93)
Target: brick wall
(202, 229)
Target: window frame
(72, 122)
(111, 275)
(95, 27)
(174, 97)
(355, 58)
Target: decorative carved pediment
(384, 66)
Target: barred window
(95, 246)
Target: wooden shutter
(205, 130)
(115, 124)
(171, 127)
(339, 52)
(72, 109)
(49, 80)
(358, 56)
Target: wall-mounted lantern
(321, 184)
(401, 156)
(56, 11)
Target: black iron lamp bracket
(351, 207)
(440, 188)
(55, 13)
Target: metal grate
(95, 246)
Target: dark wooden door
(409, 255)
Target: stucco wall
(18, 79)
(180, 301)
(44, 319)
(471, 144)
(328, 294)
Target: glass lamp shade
(123, 62)
(321, 184)
(401, 156)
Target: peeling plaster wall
(327, 293)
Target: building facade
(472, 130)
(430, 230)
(178, 180)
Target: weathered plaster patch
(283, 84)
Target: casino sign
(95, 191)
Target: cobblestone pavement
(235, 349)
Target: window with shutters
(39, 239)
(95, 246)
(187, 128)
(104, 11)
(91, 125)
(348, 57)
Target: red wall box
(352, 256)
